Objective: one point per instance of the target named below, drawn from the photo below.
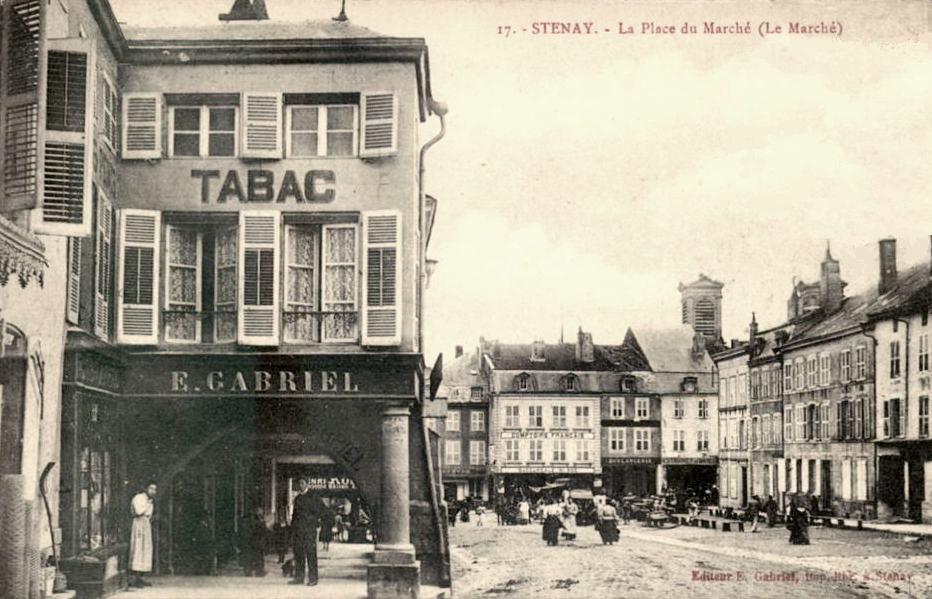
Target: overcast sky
(584, 177)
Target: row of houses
(831, 407)
(635, 417)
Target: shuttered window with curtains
(142, 126)
(379, 135)
(259, 233)
(382, 306)
(138, 276)
(103, 283)
(262, 125)
(66, 206)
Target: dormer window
(523, 382)
(689, 384)
(569, 382)
(628, 384)
(475, 393)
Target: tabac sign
(260, 186)
(345, 377)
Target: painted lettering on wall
(265, 381)
(317, 186)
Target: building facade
(765, 407)
(733, 411)
(246, 258)
(465, 454)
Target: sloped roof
(670, 350)
(703, 281)
(562, 357)
(461, 372)
(913, 286)
(253, 31)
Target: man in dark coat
(305, 518)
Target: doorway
(890, 481)
(744, 486)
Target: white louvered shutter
(142, 126)
(137, 307)
(74, 280)
(379, 136)
(20, 120)
(382, 288)
(65, 206)
(259, 233)
(262, 125)
(102, 276)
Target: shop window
(96, 526)
(202, 131)
(322, 130)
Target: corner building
(247, 307)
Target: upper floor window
(559, 417)
(475, 393)
(477, 421)
(642, 439)
(703, 410)
(845, 360)
(628, 384)
(825, 369)
(477, 453)
(677, 408)
(582, 417)
(787, 377)
(765, 383)
(110, 108)
(523, 382)
(535, 415)
(702, 440)
(569, 382)
(642, 407)
(452, 452)
(617, 407)
(799, 370)
(689, 384)
(512, 417)
(321, 130)
(202, 131)
(860, 362)
(453, 420)
(512, 450)
(679, 440)
(616, 439)
(812, 370)
(894, 359)
(923, 353)
(923, 415)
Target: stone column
(394, 573)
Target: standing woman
(608, 523)
(552, 523)
(570, 509)
(140, 540)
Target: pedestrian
(501, 506)
(327, 522)
(607, 523)
(281, 533)
(338, 522)
(626, 510)
(798, 524)
(568, 517)
(480, 510)
(771, 508)
(693, 505)
(305, 518)
(140, 541)
(252, 543)
(552, 523)
(524, 512)
(754, 506)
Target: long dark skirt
(551, 532)
(799, 534)
(608, 530)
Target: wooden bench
(737, 524)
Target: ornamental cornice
(21, 254)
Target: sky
(583, 177)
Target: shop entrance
(890, 479)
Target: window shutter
(67, 155)
(102, 276)
(258, 274)
(142, 126)
(382, 289)
(379, 136)
(262, 125)
(137, 277)
(74, 280)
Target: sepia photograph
(436, 299)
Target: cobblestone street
(514, 561)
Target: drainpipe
(874, 418)
(440, 109)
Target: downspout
(874, 418)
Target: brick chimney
(459, 351)
(831, 287)
(585, 352)
(887, 265)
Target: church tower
(701, 303)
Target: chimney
(585, 352)
(459, 351)
(831, 287)
(887, 265)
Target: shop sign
(625, 461)
(706, 461)
(332, 484)
(314, 186)
(548, 469)
(529, 434)
(263, 381)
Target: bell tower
(701, 303)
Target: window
(787, 377)
(845, 359)
(452, 452)
(765, 383)
(858, 408)
(616, 439)
(775, 380)
(689, 384)
(512, 450)
(679, 440)
(860, 362)
(846, 480)
(703, 409)
(642, 439)
(477, 454)
(475, 393)
(924, 416)
(755, 384)
(642, 407)
(582, 450)
(742, 433)
(860, 479)
(702, 441)
(677, 408)
(628, 384)
(743, 387)
(894, 359)
(765, 434)
(536, 450)
(521, 382)
(535, 417)
(559, 417)
(582, 417)
(559, 450)
(183, 284)
(512, 417)
(617, 407)
(894, 418)
(103, 240)
(477, 421)
(812, 371)
(755, 432)
(110, 107)
(732, 390)
(570, 383)
(923, 353)
(777, 429)
(453, 420)
(788, 423)
(826, 422)
(320, 283)
(799, 370)
(825, 369)
(322, 130)
(202, 131)
(800, 423)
